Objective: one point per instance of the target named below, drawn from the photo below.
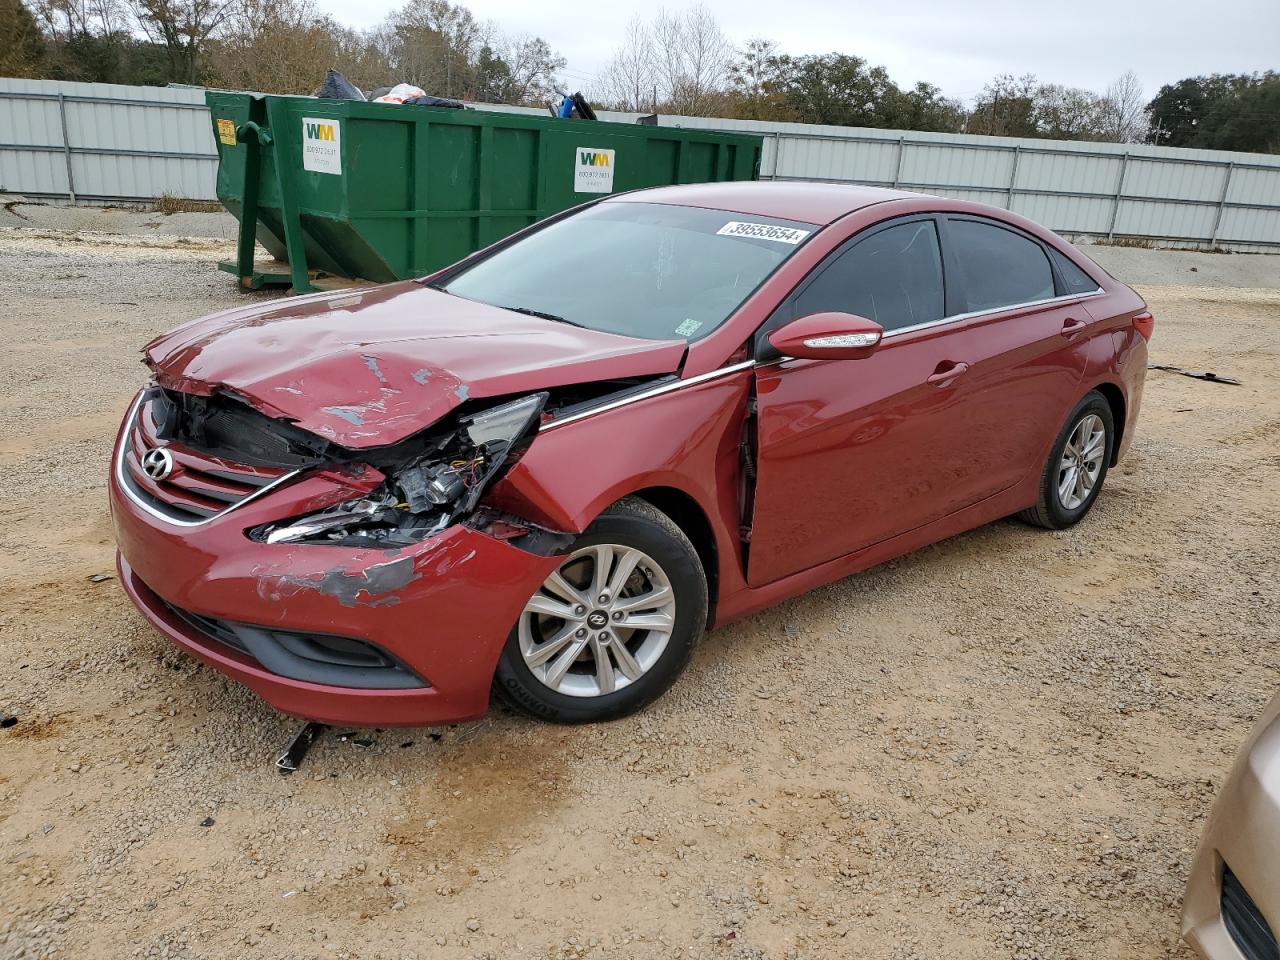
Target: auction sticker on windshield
(762, 231)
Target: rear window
(1001, 268)
(1075, 279)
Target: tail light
(1144, 323)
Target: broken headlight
(428, 493)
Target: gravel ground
(1002, 746)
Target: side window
(1076, 280)
(1000, 268)
(893, 277)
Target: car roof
(816, 203)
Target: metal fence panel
(1194, 198)
(103, 141)
(137, 143)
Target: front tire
(1077, 465)
(613, 626)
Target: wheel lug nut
(604, 598)
(579, 609)
(617, 615)
(582, 632)
(604, 638)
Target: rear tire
(572, 656)
(1077, 466)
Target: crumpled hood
(365, 368)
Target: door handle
(1072, 327)
(953, 370)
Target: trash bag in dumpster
(338, 87)
(573, 105)
(408, 93)
(427, 100)
(400, 93)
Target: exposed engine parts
(437, 478)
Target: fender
(687, 438)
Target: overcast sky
(957, 45)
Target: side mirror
(828, 336)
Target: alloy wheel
(599, 622)
(1081, 462)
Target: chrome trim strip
(955, 318)
(655, 392)
(128, 492)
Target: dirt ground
(1000, 746)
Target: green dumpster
(382, 192)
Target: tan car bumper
(1242, 836)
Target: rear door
(1034, 329)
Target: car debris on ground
(1195, 374)
(292, 756)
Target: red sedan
(548, 469)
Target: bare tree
(756, 68)
(631, 77)
(707, 55)
(678, 62)
(275, 46)
(65, 20)
(531, 65)
(183, 28)
(433, 44)
(1124, 116)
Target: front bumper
(1242, 835)
(443, 608)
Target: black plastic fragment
(207, 822)
(7, 719)
(1208, 375)
(291, 757)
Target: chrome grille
(199, 486)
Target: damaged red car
(547, 470)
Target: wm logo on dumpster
(321, 145)
(593, 170)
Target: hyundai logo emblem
(157, 463)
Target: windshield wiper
(530, 312)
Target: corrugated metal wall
(1205, 198)
(137, 143)
(120, 143)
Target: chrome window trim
(974, 314)
(703, 377)
(655, 392)
(124, 483)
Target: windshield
(641, 269)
